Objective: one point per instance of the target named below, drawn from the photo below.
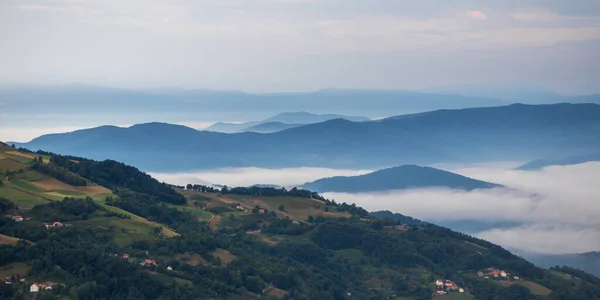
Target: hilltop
(233, 243)
(515, 132)
(280, 122)
(403, 177)
(270, 127)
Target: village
(444, 287)
(493, 273)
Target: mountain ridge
(515, 132)
(397, 178)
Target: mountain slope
(258, 242)
(515, 132)
(403, 177)
(574, 160)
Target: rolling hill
(515, 132)
(270, 127)
(237, 243)
(279, 122)
(573, 160)
(397, 178)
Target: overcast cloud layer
(286, 45)
(558, 205)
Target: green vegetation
(281, 246)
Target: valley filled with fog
(551, 211)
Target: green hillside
(125, 235)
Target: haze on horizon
(302, 45)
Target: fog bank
(249, 176)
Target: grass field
(192, 259)
(52, 184)
(13, 269)
(32, 176)
(10, 164)
(22, 199)
(295, 207)
(535, 288)
(18, 156)
(8, 240)
(224, 255)
(26, 185)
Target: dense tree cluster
(201, 188)
(59, 173)
(6, 205)
(69, 209)
(112, 174)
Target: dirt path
(212, 216)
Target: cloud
(342, 43)
(477, 15)
(249, 176)
(546, 238)
(557, 205)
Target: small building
(17, 218)
(34, 288)
(448, 284)
(496, 273)
(503, 274)
(126, 256)
(480, 274)
(441, 293)
(149, 263)
(439, 283)
(239, 207)
(461, 290)
(57, 224)
(516, 277)
(169, 268)
(48, 288)
(261, 211)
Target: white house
(34, 288)
(169, 268)
(439, 283)
(461, 290)
(503, 274)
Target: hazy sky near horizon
(297, 45)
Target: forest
(359, 256)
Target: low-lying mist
(557, 206)
(232, 177)
(555, 210)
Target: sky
(300, 45)
(556, 207)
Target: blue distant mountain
(514, 132)
(270, 127)
(280, 122)
(397, 178)
(209, 105)
(588, 262)
(573, 160)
